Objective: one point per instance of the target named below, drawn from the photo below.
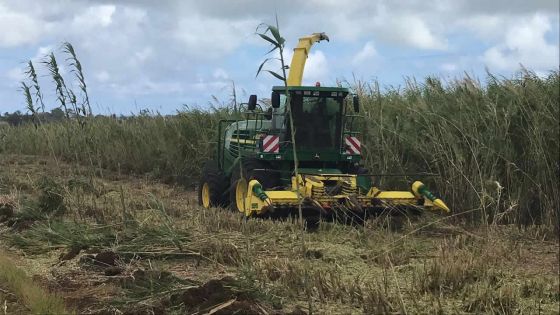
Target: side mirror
(252, 102)
(356, 103)
(275, 99)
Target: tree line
(18, 118)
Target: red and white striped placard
(353, 145)
(271, 144)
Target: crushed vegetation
(117, 244)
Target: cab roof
(281, 89)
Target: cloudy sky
(163, 54)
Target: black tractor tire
(217, 183)
(358, 170)
(250, 167)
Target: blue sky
(160, 55)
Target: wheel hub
(241, 194)
(205, 195)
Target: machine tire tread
(217, 184)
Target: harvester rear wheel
(252, 169)
(213, 186)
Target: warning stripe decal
(271, 144)
(353, 145)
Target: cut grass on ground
(168, 255)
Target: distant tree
(57, 114)
(15, 118)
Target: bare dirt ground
(110, 243)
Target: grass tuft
(33, 296)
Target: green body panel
(319, 114)
(364, 183)
(319, 171)
(313, 155)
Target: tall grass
(168, 147)
(495, 145)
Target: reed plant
(494, 144)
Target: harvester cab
(253, 169)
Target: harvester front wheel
(240, 193)
(212, 187)
(252, 169)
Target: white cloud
(133, 14)
(513, 7)
(18, 28)
(189, 47)
(316, 68)
(95, 16)
(220, 74)
(417, 33)
(42, 51)
(448, 67)
(524, 43)
(209, 37)
(141, 56)
(485, 26)
(146, 86)
(367, 53)
(16, 74)
(102, 76)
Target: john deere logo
(317, 156)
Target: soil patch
(218, 295)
